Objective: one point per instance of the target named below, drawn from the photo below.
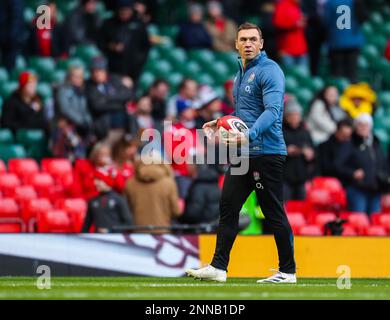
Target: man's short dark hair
(247, 26)
(344, 123)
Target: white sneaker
(207, 273)
(280, 277)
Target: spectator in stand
(344, 42)
(143, 114)
(82, 23)
(47, 42)
(222, 29)
(125, 41)
(106, 212)
(24, 109)
(96, 174)
(268, 30)
(158, 93)
(290, 23)
(358, 98)
(188, 92)
(387, 51)
(182, 136)
(328, 151)
(209, 106)
(362, 168)
(300, 153)
(73, 130)
(324, 113)
(202, 202)
(107, 98)
(152, 194)
(125, 153)
(315, 31)
(228, 100)
(193, 34)
(11, 29)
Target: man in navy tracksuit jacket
(258, 96)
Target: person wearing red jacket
(96, 174)
(290, 23)
(387, 52)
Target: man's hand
(235, 138)
(210, 128)
(358, 174)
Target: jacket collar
(256, 60)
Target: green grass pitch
(187, 288)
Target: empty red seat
(376, 231)
(25, 193)
(8, 208)
(76, 209)
(335, 189)
(384, 221)
(60, 169)
(8, 183)
(310, 230)
(359, 221)
(295, 206)
(54, 221)
(348, 231)
(319, 200)
(323, 218)
(385, 203)
(3, 168)
(297, 221)
(43, 183)
(32, 208)
(9, 227)
(23, 168)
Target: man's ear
(261, 44)
(236, 44)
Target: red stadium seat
(359, 222)
(31, 210)
(323, 218)
(310, 230)
(3, 168)
(43, 183)
(319, 200)
(376, 231)
(11, 227)
(297, 221)
(8, 208)
(60, 169)
(348, 231)
(8, 183)
(76, 209)
(294, 206)
(24, 193)
(384, 221)
(54, 221)
(385, 203)
(23, 168)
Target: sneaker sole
(190, 274)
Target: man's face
(125, 14)
(293, 119)
(249, 44)
(363, 129)
(161, 91)
(344, 133)
(190, 89)
(77, 77)
(99, 75)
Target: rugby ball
(230, 124)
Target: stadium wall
(316, 257)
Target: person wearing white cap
(362, 167)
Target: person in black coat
(107, 211)
(24, 109)
(125, 41)
(83, 23)
(328, 151)
(202, 202)
(193, 34)
(11, 31)
(107, 96)
(300, 153)
(362, 168)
